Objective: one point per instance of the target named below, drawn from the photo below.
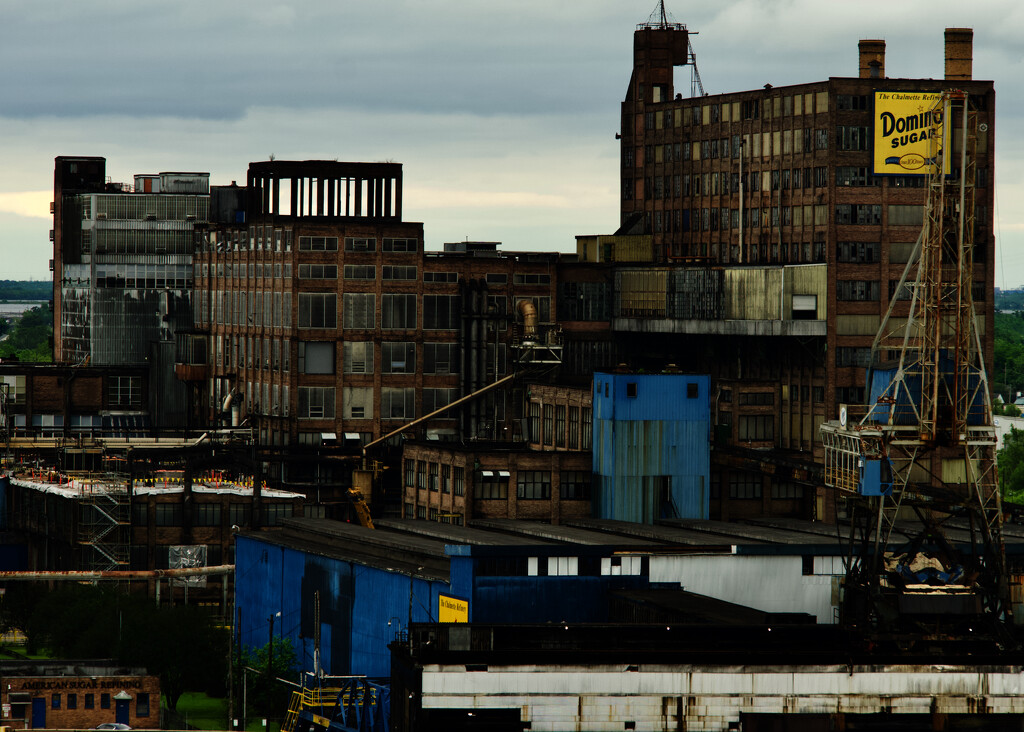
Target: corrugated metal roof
(562, 533)
(741, 531)
(452, 534)
(668, 534)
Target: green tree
(1010, 460)
(180, 644)
(29, 339)
(266, 696)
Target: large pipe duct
(529, 312)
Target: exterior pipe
(117, 574)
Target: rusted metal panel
(697, 294)
(641, 292)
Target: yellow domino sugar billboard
(909, 132)
(452, 609)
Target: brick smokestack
(872, 59)
(959, 53)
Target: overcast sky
(504, 114)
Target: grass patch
(206, 712)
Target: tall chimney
(872, 59)
(959, 53)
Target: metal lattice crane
(916, 464)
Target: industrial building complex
(730, 466)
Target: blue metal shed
(362, 608)
(652, 454)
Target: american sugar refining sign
(452, 610)
(908, 133)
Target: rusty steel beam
(117, 574)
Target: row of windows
(442, 478)
(246, 270)
(252, 352)
(320, 310)
(715, 219)
(89, 702)
(563, 426)
(396, 402)
(532, 485)
(356, 244)
(749, 109)
(750, 485)
(206, 514)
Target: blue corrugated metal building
(651, 446)
(360, 601)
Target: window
(421, 474)
(55, 701)
(357, 402)
(410, 473)
(531, 279)
(533, 484)
(852, 138)
(89, 701)
(318, 272)
(441, 277)
(440, 358)
(141, 704)
(786, 490)
(757, 398)
(851, 102)
(906, 215)
(575, 485)
(574, 428)
(744, 485)
(319, 243)
(535, 435)
(274, 512)
(459, 481)
(395, 272)
(446, 478)
(125, 391)
(398, 357)
(903, 293)
(493, 278)
(104, 701)
(757, 427)
(440, 312)
(399, 245)
(318, 310)
(140, 514)
(560, 425)
(857, 290)
(316, 357)
(853, 356)
(860, 214)
(432, 474)
(357, 357)
(858, 252)
(72, 701)
(543, 305)
(357, 244)
(358, 271)
(434, 399)
(588, 428)
(492, 485)
(397, 402)
(239, 514)
(207, 514)
(852, 176)
(398, 311)
(358, 310)
(549, 414)
(850, 394)
(316, 402)
(167, 514)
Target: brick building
(777, 250)
(78, 695)
(483, 479)
(327, 321)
